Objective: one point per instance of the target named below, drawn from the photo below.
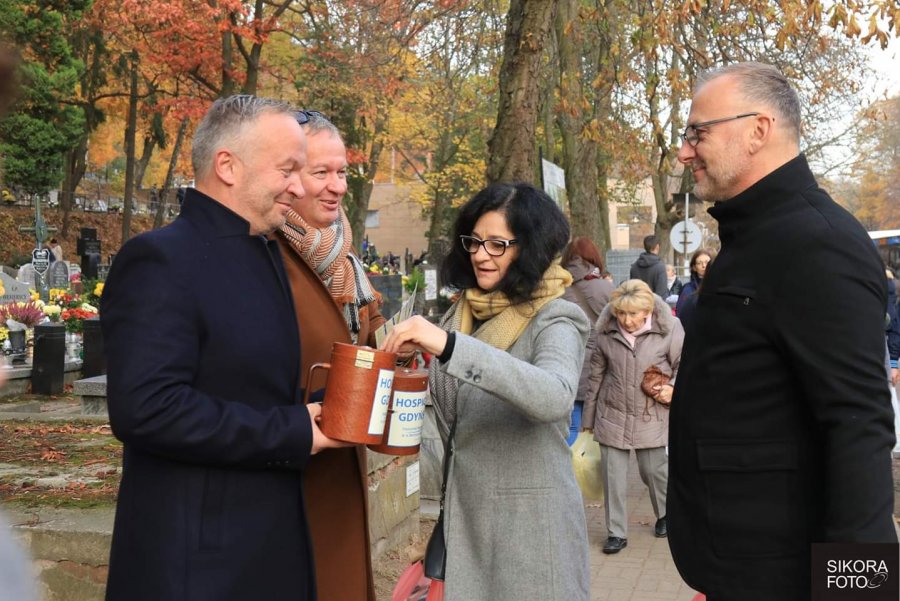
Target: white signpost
(686, 236)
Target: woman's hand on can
(415, 333)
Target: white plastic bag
(586, 463)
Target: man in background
(650, 268)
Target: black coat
(650, 268)
(203, 354)
(781, 426)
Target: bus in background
(888, 244)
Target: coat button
(476, 378)
(468, 374)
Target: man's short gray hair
(224, 123)
(759, 82)
(317, 122)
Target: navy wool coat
(203, 354)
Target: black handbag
(435, 562)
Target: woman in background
(687, 300)
(590, 291)
(636, 331)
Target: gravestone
(391, 289)
(26, 275)
(48, 367)
(59, 275)
(88, 248)
(10, 271)
(14, 290)
(94, 363)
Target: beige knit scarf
(503, 323)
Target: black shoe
(614, 544)
(661, 530)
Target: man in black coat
(781, 425)
(650, 268)
(203, 354)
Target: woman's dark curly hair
(540, 228)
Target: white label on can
(407, 419)
(380, 402)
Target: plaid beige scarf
(328, 251)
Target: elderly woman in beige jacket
(634, 332)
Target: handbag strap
(448, 451)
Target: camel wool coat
(621, 415)
(513, 514)
(335, 480)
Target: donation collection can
(406, 414)
(357, 393)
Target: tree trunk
(146, 154)
(604, 239)
(130, 134)
(358, 207)
(579, 146)
(170, 174)
(511, 149)
(228, 83)
(74, 171)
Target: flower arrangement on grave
(52, 311)
(75, 284)
(29, 313)
(74, 318)
(66, 299)
(93, 290)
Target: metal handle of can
(312, 369)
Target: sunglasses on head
(305, 116)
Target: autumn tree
(440, 126)
(356, 61)
(674, 45)
(41, 126)
(877, 194)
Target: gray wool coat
(513, 514)
(621, 415)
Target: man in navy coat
(781, 425)
(203, 354)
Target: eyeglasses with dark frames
(305, 116)
(691, 133)
(494, 247)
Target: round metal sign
(693, 238)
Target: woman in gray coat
(508, 355)
(635, 331)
